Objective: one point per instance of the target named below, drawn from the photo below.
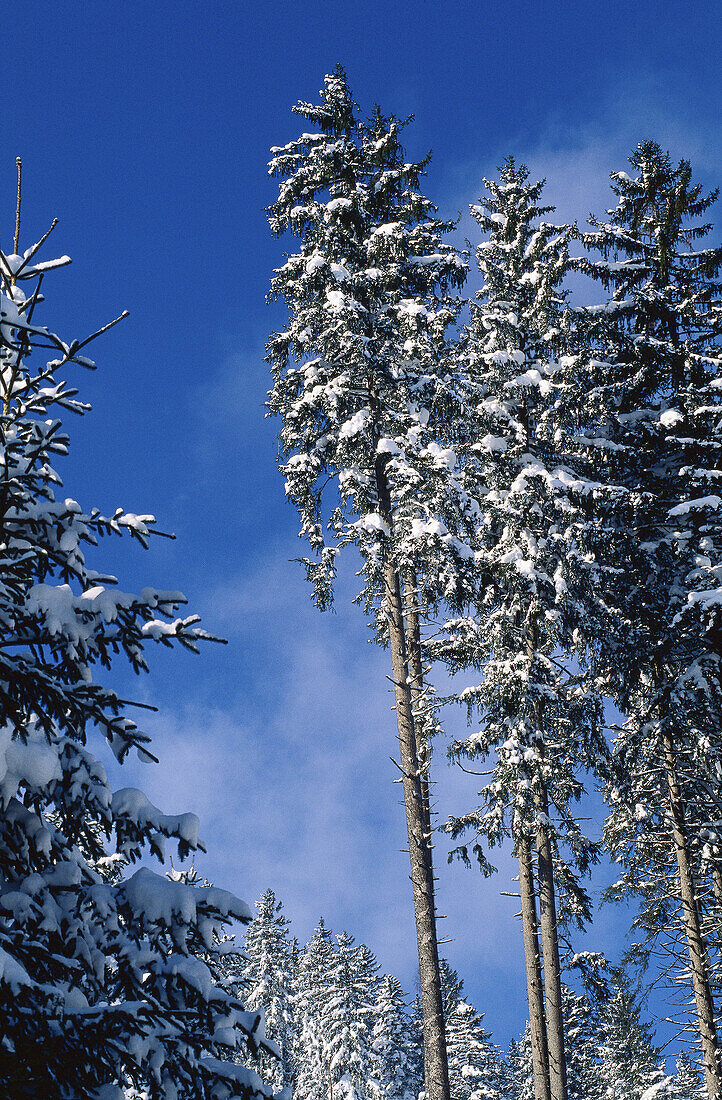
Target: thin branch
(16, 239)
(75, 346)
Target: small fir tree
(347, 1020)
(630, 1063)
(394, 1068)
(269, 978)
(313, 1079)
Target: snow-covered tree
(475, 1069)
(687, 1083)
(395, 1071)
(361, 382)
(108, 982)
(586, 1080)
(540, 722)
(653, 404)
(348, 1018)
(270, 980)
(312, 1071)
(630, 1063)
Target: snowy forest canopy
(530, 487)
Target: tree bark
(550, 953)
(698, 959)
(554, 1020)
(416, 681)
(436, 1071)
(537, 1019)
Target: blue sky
(145, 128)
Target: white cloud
(576, 162)
(297, 792)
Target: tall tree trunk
(436, 1070)
(537, 1019)
(556, 1054)
(550, 953)
(416, 680)
(698, 959)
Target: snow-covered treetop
(665, 303)
(361, 375)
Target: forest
(524, 480)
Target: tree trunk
(698, 960)
(556, 1055)
(537, 1020)
(416, 681)
(550, 953)
(436, 1071)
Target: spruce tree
(475, 1069)
(630, 1063)
(394, 1069)
(586, 1079)
(313, 1079)
(540, 721)
(653, 422)
(347, 1019)
(269, 978)
(111, 983)
(361, 383)
(687, 1083)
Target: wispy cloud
(298, 792)
(576, 161)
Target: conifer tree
(630, 1063)
(586, 1081)
(313, 1080)
(653, 421)
(475, 1069)
(687, 1083)
(416, 1044)
(110, 983)
(269, 978)
(538, 717)
(347, 1020)
(361, 383)
(393, 1065)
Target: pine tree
(630, 1063)
(539, 717)
(269, 976)
(361, 383)
(521, 1065)
(654, 423)
(394, 1067)
(347, 1020)
(416, 1045)
(313, 1080)
(109, 983)
(586, 1080)
(687, 1083)
(475, 1069)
